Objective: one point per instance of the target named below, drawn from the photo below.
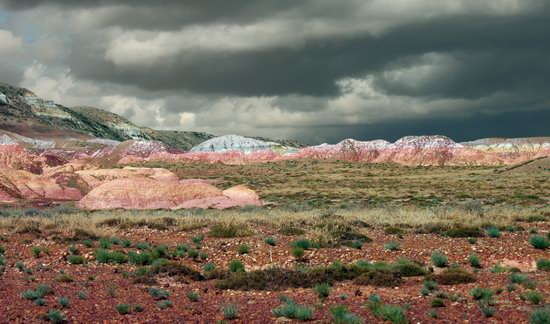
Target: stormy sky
(313, 70)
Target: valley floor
(338, 242)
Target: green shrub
(298, 252)
(64, 301)
(76, 259)
(439, 259)
(88, 243)
(464, 232)
(408, 268)
(228, 230)
(123, 309)
(493, 232)
(197, 239)
(380, 278)
(481, 293)
(472, 240)
(164, 304)
(534, 297)
(82, 295)
(2, 249)
(437, 302)
(518, 278)
(270, 241)
(453, 276)
(474, 260)
(230, 311)
(55, 316)
(105, 244)
(236, 266)
(393, 230)
(539, 242)
(303, 244)
(105, 256)
(141, 258)
(292, 310)
(159, 293)
(341, 315)
(392, 246)
(142, 245)
(357, 244)
(193, 296)
(391, 313)
(126, 243)
(39, 302)
(486, 309)
(244, 249)
(322, 290)
(543, 264)
(540, 316)
(209, 267)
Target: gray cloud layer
(318, 70)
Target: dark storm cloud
(438, 66)
(492, 54)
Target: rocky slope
(24, 113)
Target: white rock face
(427, 141)
(3, 98)
(133, 131)
(233, 143)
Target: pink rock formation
(19, 184)
(16, 157)
(147, 193)
(97, 177)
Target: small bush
(486, 309)
(164, 304)
(380, 278)
(230, 311)
(534, 297)
(209, 267)
(392, 246)
(409, 268)
(159, 293)
(518, 278)
(437, 302)
(64, 301)
(244, 249)
(82, 295)
(303, 244)
(105, 243)
(439, 259)
(453, 276)
(322, 290)
(393, 230)
(141, 258)
(472, 240)
(193, 296)
(391, 313)
(293, 311)
(539, 242)
(481, 293)
(123, 309)
(493, 232)
(39, 302)
(543, 264)
(142, 246)
(236, 266)
(76, 259)
(341, 315)
(270, 241)
(55, 316)
(540, 316)
(228, 230)
(298, 252)
(474, 260)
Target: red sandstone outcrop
(97, 177)
(147, 193)
(19, 184)
(15, 157)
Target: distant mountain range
(24, 113)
